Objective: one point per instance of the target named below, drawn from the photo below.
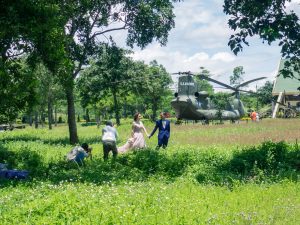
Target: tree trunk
(36, 119)
(30, 119)
(55, 115)
(116, 107)
(87, 115)
(49, 112)
(42, 118)
(71, 115)
(97, 116)
(52, 114)
(154, 110)
(125, 109)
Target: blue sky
(200, 38)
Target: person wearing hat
(109, 140)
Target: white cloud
(190, 13)
(200, 40)
(215, 29)
(201, 56)
(223, 56)
(175, 61)
(292, 4)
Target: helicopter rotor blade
(251, 92)
(184, 73)
(257, 94)
(217, 82)
(249, 81)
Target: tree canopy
(264, 93)
(203, 84)
(271, 21)
(153, 87)
(17, 89)
(237, 77)
(66, 34)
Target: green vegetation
(65, 37)
(271, 22)
(200, 182)
(222, 174)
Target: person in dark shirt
(163, 126)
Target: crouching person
(79, 153)
(109, 140)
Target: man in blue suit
(163, 126)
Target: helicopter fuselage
(192, 103)
(192, 108)
(185, 109)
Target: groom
(163, 126)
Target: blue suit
(163, 132)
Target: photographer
(79, 153)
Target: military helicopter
(190, 103)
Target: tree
(109, 75)
(220, 101)
(17, 89)
(65, 33)
(237, 77)
(153, 87)
(144, 21)
(49, 92)
(270, 20)
(264, 93)
(203, 84)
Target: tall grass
(217, 174)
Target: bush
(269, 157)
(24, 159)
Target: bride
(137, 138)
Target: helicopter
(190, 103)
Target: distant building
(286, 90)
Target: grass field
(245, 173)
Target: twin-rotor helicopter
(190, 103)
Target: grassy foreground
(219, 174)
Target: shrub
(269, 157)
(23, 159)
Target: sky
(200, 39)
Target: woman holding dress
(137, 137)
